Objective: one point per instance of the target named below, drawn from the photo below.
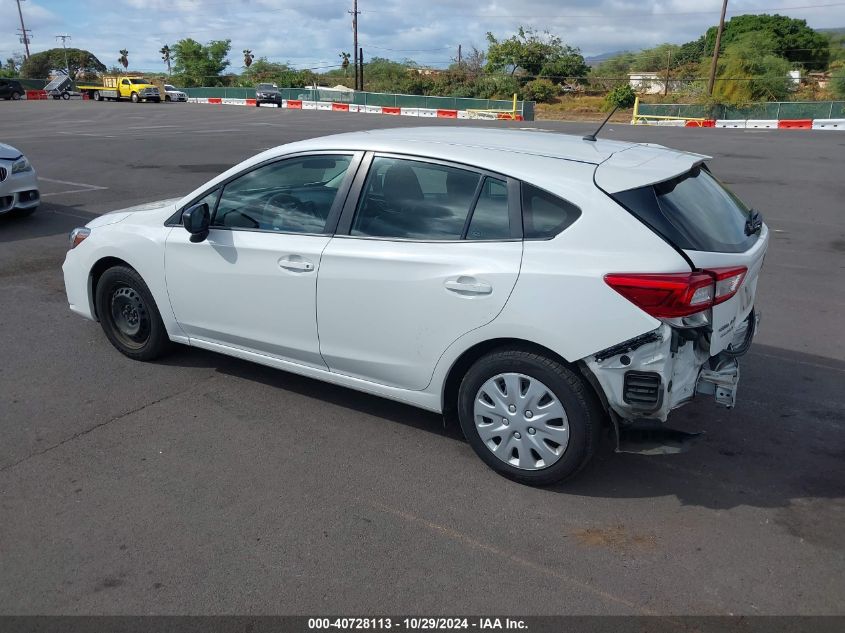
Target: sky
(311, 34)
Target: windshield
(693, 211)
(169, 87)
(139, 80)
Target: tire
(16, 96)
(545, 452)
(129, 316)
(166, 99)
(257, 104)
(65, 96)
(134, 97)
(97, 96)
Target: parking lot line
(81, 187)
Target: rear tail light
(670, 295)
(728, 281)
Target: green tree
(749, 70)
(123, 60)
(837, 79)
(199, 64)
(39, 65)
(655, 59)
(613, 71)
(534, 54)
(785, 37)
(165, 56)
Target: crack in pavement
(96, 426)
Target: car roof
(539, 143)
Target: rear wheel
(65, 96)
(97, 96)
(129, 316)
(529, 417)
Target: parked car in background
(171, 93)
(535, 286)
(11, 89)
(268, 93)
(18, 183)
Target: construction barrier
(762, 123)
(795, 124)
(35, 95)
(829, 124)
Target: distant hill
(595, 60)
(839, 29)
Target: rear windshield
(693, 211)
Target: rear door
(427, 252)
(716, 231)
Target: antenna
(592, 137)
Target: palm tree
(123, 60)
(165, 56)
(248, 57)
(345, 63)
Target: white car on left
(18, 183)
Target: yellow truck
(117, 87)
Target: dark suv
(10, 89)
(268, 93)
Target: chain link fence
(526, 108)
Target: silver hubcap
(521, 421)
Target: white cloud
(310, 34)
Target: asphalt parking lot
(203, 484)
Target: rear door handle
(297, 263)
(468, 285)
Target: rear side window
(544, 215)
(693, 212)
(417, 200)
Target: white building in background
(651, 83)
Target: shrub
(540, 90)
(622, 96)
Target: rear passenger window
(490, 218)
(544, 215)
(415, 200)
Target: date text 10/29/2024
(417, 624)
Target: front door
(252, 283)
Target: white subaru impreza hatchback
(535, 286)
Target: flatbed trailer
(117, 87)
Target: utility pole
(355, 12)
(459, 55)
(668, 65)
(716, 49)
(24, 35)
(361, 67)
(64, 38)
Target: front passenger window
(292, 196)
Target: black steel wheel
(128, 314)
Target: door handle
(295, 262)
(468, 285)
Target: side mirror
(196, 221)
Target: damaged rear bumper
(645, 378)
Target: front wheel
(529, 417)
(135, 97)
(16, 96)
(65, 96)
(129, 316)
